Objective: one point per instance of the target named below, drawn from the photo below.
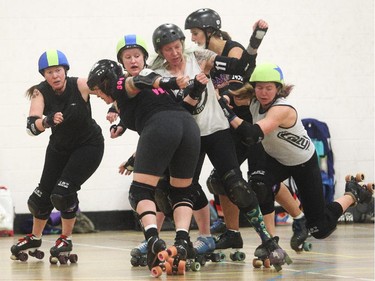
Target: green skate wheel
(307, 246)
(195, 266)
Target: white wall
(325, 48)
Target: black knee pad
(323, 227)
(214, 184)
(140, 191)
(201, 200)
(67, 204)
(39, 204)
(161, 197)
(238, 191)
(182, 197)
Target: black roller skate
(270, 253)
(181, 257)
(156, 265)
(27, 245)
(228, 240)
(300, 234)
(356, 188)
(61, 251)
(139, 255)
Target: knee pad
(214, 184)
(39, 204)
(200, 198)
(161, 197)
(182, 197)
(140, 191)
(238, 190)
(67, 204)
(323, 227)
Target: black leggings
(69, 169)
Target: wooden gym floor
(348, 254)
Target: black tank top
(135, 111)
(78, 127)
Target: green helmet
(267, 72)
(131, 41)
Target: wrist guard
(195, 89)
(129, 165)
(169, 83)
(229, 114)
(48, 121)
(257, 37)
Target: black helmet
(102, 74)
(165, 34)
(203, 18)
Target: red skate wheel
(168, 268)
(181, 267)
(163, 255)
(267, 263)
(156, 271)
(63, 259)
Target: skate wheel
(257, 263)
(181, 267)
(370, 187)
(222, 256)
(13, 257)
(195, 266)
(37, 254)
(215, 257)
(348, 178)
(277, 267)
(143, 261)
(307, 246)
(201, 259)
(170, 261)
(134, 261)
(168, 268)
(23, 256)
(73, 258)
(63, 259)
(359, 177)
(53, 260)
(156, 271)
(163, 255)
(267, 263)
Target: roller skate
(61, 251)
(181, 258)
(356, 188)
(270, 253)
(228, 240)
(26, 246)
(156, 266)
(298, 241)
(139, 255)
(204, 246)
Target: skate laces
(62, 241)
(143, 246)
(204, 244)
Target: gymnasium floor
(348, 254)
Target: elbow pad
(250, 134)
(31, 127)
(232, 65)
